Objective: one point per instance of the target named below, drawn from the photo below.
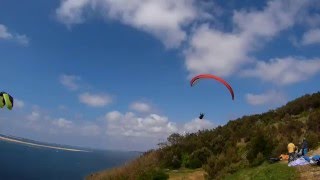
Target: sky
(114, 74)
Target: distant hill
(245, 142)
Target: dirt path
(309, 171)
(198, 174)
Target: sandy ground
(309, 171)
(39, 145)
(189, 175)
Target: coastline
(39, 145)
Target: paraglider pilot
(304, 147)
(201, 116)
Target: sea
(23, 162)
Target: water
(25, 162)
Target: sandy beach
(39, 145)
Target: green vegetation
(265, 171)
(242, 143)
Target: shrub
(154, 174)
(201, 154)
(258, 160)
(185, 160)
(194, 163)
(312, 139)
(176, 163)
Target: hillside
(242, 143)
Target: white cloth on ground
(298, 162)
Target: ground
(307, 171)
(266, 171)
(187, 174)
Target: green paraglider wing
(6, 99)
(2, 103)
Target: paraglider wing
(6, 99)
(2, 102)
(210, 76)
(9, 100)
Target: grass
(131, 170)
(187, 174)
(266, 171)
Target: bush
(201, 154)
(176, 163)
(185, 160)
(258, 160)
(259, 144)
(234, 167)
(154, 174)
(194, 163)
(313, 122)
(312, 139)
(215, 166)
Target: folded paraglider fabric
(306, 158)
(316, 158)
(298, 162)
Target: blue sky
(115, 74)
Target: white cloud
(71, 11)
(269, 97)
(208, 48)
(118, 129)
(223, 53)
(140, 107)
(62, 123)
(113, 116)
(283, 71)
(311, 37)
(18, 103)
(95, 100)
(312, 20)
(90, 130)
(150, 126)
(5, 34)
(22, 39)
(69, 81)
(209, 51)
(33, 116)
(197, 124)
(129, 124)
(165, 19)
(278, 15)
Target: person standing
(304, 147)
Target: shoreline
(39, 145)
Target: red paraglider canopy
(210, 76)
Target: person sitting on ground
(291, 151)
